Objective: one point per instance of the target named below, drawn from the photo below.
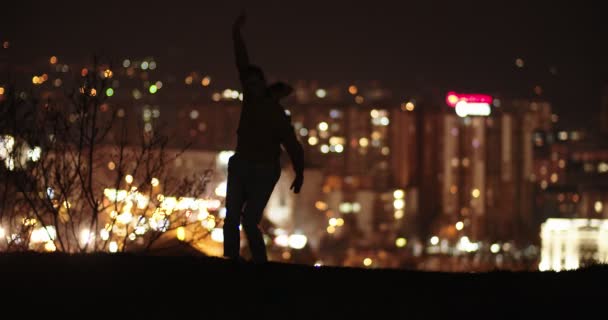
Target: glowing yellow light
(353, 90)
(321, 93)
(320, 205)
(1, 91)
(598, 206)
(364, 142)
(286, 255)
(217, 235)
(153, 89)
(398, 194)
(155, 182)
(459, 225)
(339, 222)
(323, 126)
(374, 113)
(113, 247)
(324, 148)
(410, 106)
(108, 73)
(129, 179)
(181, 234)
(333, 222)
(331, 229)
(313, 141)
(50, 246)
(209, 223)
(376, 135)
(475, 193)
(367, 262)
(453, 99)
(109, 92)
(93, 92)
(2, 232)
(339, 148)
(399, 214)
(188, 80)
(36, 80)
(554, 178)
(53, 60)
(544, 184)
(399, 204)
(206, 81)
(400, 242)
(434, 240)
(111, 165)
(104, 234)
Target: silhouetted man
(254, 169)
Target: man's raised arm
(240, 51)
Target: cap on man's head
(257, 71)
(280, 89)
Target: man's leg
(235, 197)
(260, 185)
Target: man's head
(255, 80)
(280, 90)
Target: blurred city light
(398, 194)
(598, 206)
(113, 247)
(400, 242)
(459, 225)
(220, 190)
(321, 93)
(217, 235)
(297, 241)
(434, 240)
(153, 89)
(181, 233)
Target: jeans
(250, 185)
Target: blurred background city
(452, 137)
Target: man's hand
(240, 20)
(297, 183)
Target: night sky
(409, 46)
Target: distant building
(573, 243)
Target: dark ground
(130, 286)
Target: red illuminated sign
(469, 104)
(453, 98)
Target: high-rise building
(604, 110)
